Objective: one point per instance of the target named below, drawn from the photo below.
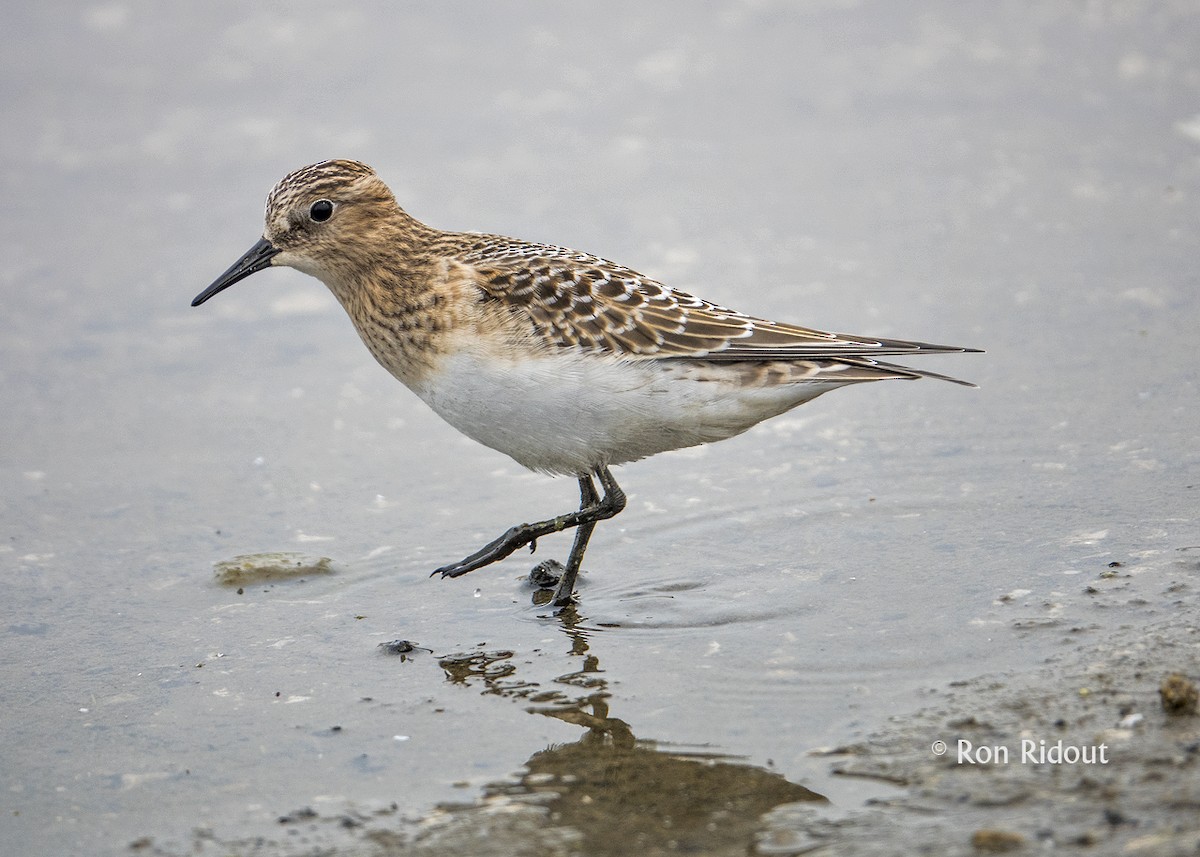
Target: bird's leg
(549, 573)
(566, 581)
(612, 503)
(590, 511)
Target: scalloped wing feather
(575, 299)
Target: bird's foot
(552, 585)
(562, 596)
(493, 551)
(546, 574)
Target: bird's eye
(321, 210)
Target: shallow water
(1021, 180)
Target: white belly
(568, 413)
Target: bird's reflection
(614, 790)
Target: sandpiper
(566, 362)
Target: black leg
(566, 583)
(588, 514)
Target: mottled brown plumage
(563, 360)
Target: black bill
(255, 259)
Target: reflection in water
(608, 792)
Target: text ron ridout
(1033, 753)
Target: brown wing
(576, 299)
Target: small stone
(996, 841)
(1179, 695)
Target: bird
(566, 362)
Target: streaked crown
(290, 217)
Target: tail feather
(894, 370)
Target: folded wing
(574, 299)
